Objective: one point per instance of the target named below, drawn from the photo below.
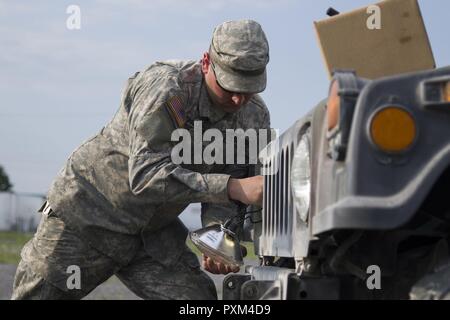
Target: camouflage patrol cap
(239, 54)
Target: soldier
(113, 208)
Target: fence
(18, 211)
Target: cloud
(50, 74)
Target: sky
(58, 87)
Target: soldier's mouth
(232, 107)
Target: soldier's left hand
(217, 267)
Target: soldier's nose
(238, 99)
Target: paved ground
(6, 279)
(112, 289)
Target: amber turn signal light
(393, 129)
(333, 106)
(447, 92)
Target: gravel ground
(111, 289)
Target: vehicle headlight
(301, 177)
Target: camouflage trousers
(56, 255)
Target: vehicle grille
(278, 207)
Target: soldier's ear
(205, 63)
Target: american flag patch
(176, 109)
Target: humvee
(356, 196)
(358, 204)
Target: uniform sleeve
(213, 213)
(216, 213)
(154, 114)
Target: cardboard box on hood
(353, 41)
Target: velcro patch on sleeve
(175, 106)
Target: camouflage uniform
(115, 203)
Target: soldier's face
(227, 100)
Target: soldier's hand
(248, 191)
(217, 267)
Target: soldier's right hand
(248, 191)
(217, 267)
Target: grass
(11, 244)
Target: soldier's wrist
(233, 189)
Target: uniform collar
(207, 108)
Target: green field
(11, 244)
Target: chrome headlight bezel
(301, 177)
